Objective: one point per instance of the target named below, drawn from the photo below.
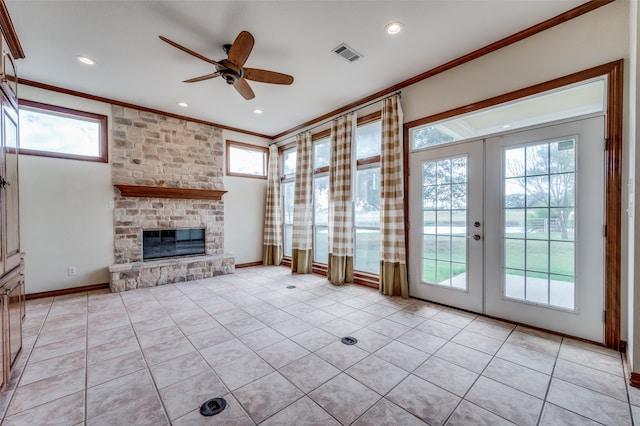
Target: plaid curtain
(340, 265)
(302, 257)
(393, 265)
(272, 240)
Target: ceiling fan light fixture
(393, 28)
(85, 60)
(182, 104)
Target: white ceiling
(295, 37)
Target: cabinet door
(15, 316)
(10, 186)
(4, 358)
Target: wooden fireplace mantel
(163, 192)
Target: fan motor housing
(229, 71)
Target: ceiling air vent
(348, 53)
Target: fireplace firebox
(167, 243)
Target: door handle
(475, 237)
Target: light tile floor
(152, 356)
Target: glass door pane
(539, 227)
(444, 225)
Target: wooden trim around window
(72, 113)
(248, 147)
(613, 206)
(613, 190)
(367, 161)
(321, 135)
(369, 118)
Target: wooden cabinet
(9, 200)
(14, 297)
(12, 291)
(4, 342)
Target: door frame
(613, 71)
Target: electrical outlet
(71, 270)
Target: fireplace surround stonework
(155, 150)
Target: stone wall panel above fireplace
(159, 151)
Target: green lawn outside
(538, 258)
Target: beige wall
(65, 216)
(593, 39)
(244, 209)
(66, 219)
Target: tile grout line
(553, 370)
(14, 390)
(144, 357)
(249, 291)
(463, 398)
(85, 404)
(229, 391)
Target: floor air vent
(213, 406)
(348, 53)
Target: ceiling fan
(232, 69)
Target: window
(566, 102)
(53, 131)
(365, 192)
(288, 192)
(321, 155)
(246, 160)
(366, 217)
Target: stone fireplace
(168, 175)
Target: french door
(524, 239)
(446, 222)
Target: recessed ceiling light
(85, 60)
(257, 111)
(394, 28)
(506, 126)
(182, 104)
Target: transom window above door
(559, 104)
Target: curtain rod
(399, 93)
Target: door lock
(477, 224)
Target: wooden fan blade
(189, 51)
(202, 77)
(241, 48)
(244, 89)
(265, 76)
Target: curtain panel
(340, 264)
(272, 239)
(302, 243)
(393, 264)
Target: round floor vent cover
(348, 340)
(213, 406)
(291, 286)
